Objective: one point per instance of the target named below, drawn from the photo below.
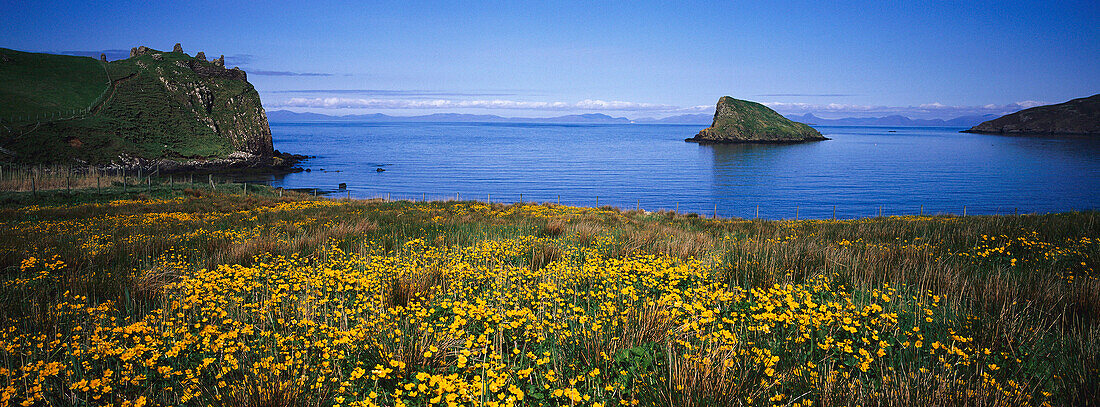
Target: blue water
(861, 171)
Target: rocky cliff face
(1075, 117)
(742, 121)
(220, 99)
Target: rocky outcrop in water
(742, 121)
(1075, 117)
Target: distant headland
(742, 121)
(1079, 117)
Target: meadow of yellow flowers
(213, 299)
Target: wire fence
(42, 178)
(703, 209)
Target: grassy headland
(57, 109)
(182, 295)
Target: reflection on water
(860, 171)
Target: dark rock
(742, 121)
(103, 57)
(200, 55)
(237, 73)
(220, 62)
(141, 50)
(1076, 117)
(208, 69)
(343, 186)
(380, 170)
(177, 48)
(248, 162)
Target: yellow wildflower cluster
(427, 325)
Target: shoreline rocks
(238, 161)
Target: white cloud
(827, 110)
(353, 103)
(926, 110)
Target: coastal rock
(103, 57)
(139, 51)
(1075, 117)
(742, 121)
(220, 62)
(279, 162)
(177, 48)
(200, 55)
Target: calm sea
(861, 171)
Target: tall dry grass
(22, 179)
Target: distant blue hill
(894, 120)
(289, 116)
(701, 118)
(286, 116)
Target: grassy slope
(1023, 287)
(752, 120)
(44, 84)
(140, 117)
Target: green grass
(33, 84)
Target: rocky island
(160, 109)
(742, 121)
(1079, 117)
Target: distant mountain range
(600, 118)
(895, 120)
(288, 116)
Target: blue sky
(634, 59)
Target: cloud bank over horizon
(824, 110)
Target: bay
(860, 172)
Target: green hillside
(160, 105)
(43, 84)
